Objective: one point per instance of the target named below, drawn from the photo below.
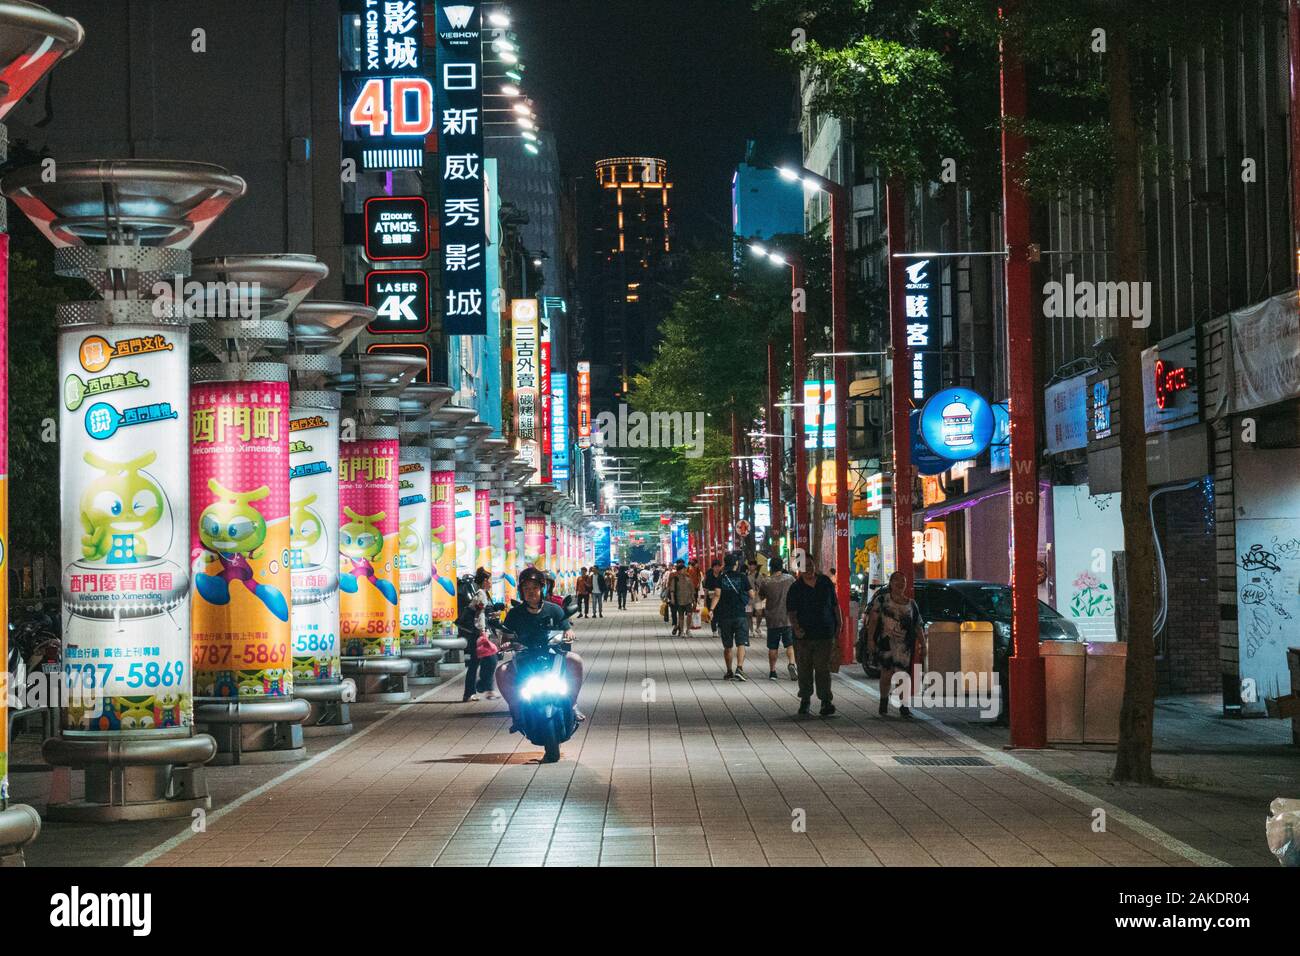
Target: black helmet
(532, 574)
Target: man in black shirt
(711, 579)
(531, 621)
(731, 612)
(815, 616)
(620, 585)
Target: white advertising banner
(527, 382)
(1265, 352)
(1088, 531)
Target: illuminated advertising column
(535, 541)
(369, 579)
(548, 544)
(239, 536)
(5, 689)
(414, 545)
(124, 465)
(510, 572)
(313, 536)
(466, 550)
(442, 520)
(482, 525)
(497, 531)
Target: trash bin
(1065, 666)
(977, 649)
(1103, 691)
(943, 647)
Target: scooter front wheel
(550, 743)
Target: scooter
(546, 713)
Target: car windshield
(995, 601)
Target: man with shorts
(731, 610)
(780, 633)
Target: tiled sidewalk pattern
(673, 767)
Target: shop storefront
(1181, 503)
(1253, 396)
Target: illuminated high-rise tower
(631, 248)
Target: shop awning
(1000, 487)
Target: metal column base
(380, 680)
(254, 731)
(331, 713)
(133, 778)
(451, 646)
(19, 827)
(425, 660)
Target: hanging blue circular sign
(924, 460)
(957, 423)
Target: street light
(814, 182)
(799, 363)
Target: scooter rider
(531, 622)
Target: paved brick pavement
(675, 766)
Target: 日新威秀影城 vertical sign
(463, 220)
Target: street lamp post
(799, 363)
(839, 345)
(1026, 668)
(902, 375)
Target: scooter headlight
(545, 685)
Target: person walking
(480, 653)
(599, 588)
(620, 585)
(756, 601)
(773, 590)
(814, 615)
(731, 611)
(711, 579)
(681, 598)
(582, 588)
(894, 631)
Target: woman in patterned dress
(894, 626)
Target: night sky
(685, 80)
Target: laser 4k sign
(400, 298)
(397, 228)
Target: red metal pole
(798, 337)
(1293, 33)
(840, 345)
(1027, 672)
(775, 452)
(902, 379)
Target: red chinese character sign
(239, 496)
(368, 539)
(124, 461)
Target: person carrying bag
(894, 637)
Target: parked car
(957, 601)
